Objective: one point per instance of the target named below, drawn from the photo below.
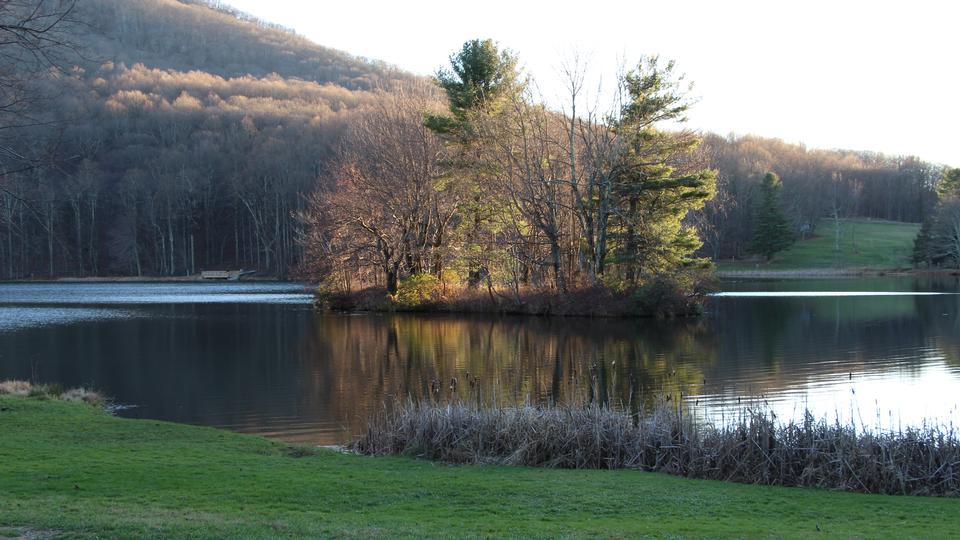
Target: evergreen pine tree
(921, 244)
(652, 193)
(938, 241)
(480, 76)
(773, 232)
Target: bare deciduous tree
(388, 207)
(33, 40)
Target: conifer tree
(652, 191)
(479, 76)
(773, 232)
(921, 244)
(480, 79)
(938, 242)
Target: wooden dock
(224, 275)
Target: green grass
(868, 244)
(71, 468)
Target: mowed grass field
(71, 470)
(863, 243)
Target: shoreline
(826, 273)
(719, 273)
(594, 302)
(146, 279)
(72, 469)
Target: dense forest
(163, 137)
(173, 137)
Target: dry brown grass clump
(756, 449)
(51, 391)
(83, 395)
(15, 388)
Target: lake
(256, 357)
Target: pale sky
(881, 76)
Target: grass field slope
(70, 469)
(862, 243)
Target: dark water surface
(256, 358)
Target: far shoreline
(827, 273)
(151, 279)
(743, 273)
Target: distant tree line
(162, 137)
(166, 173)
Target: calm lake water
(256, 358)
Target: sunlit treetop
(950, 184)
(480, 74)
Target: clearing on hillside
(862, 243)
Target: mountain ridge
(188, 35)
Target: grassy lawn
(863, 244)
(73, 470)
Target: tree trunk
(50, 237)
(392, 277)
(75, 204)
(92, 247)
(631, 245)
(236, 239)
(557, 256)
(8, 214)
(173, 253)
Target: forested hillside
(172, 136)
(189, 35)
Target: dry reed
(755, 449)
